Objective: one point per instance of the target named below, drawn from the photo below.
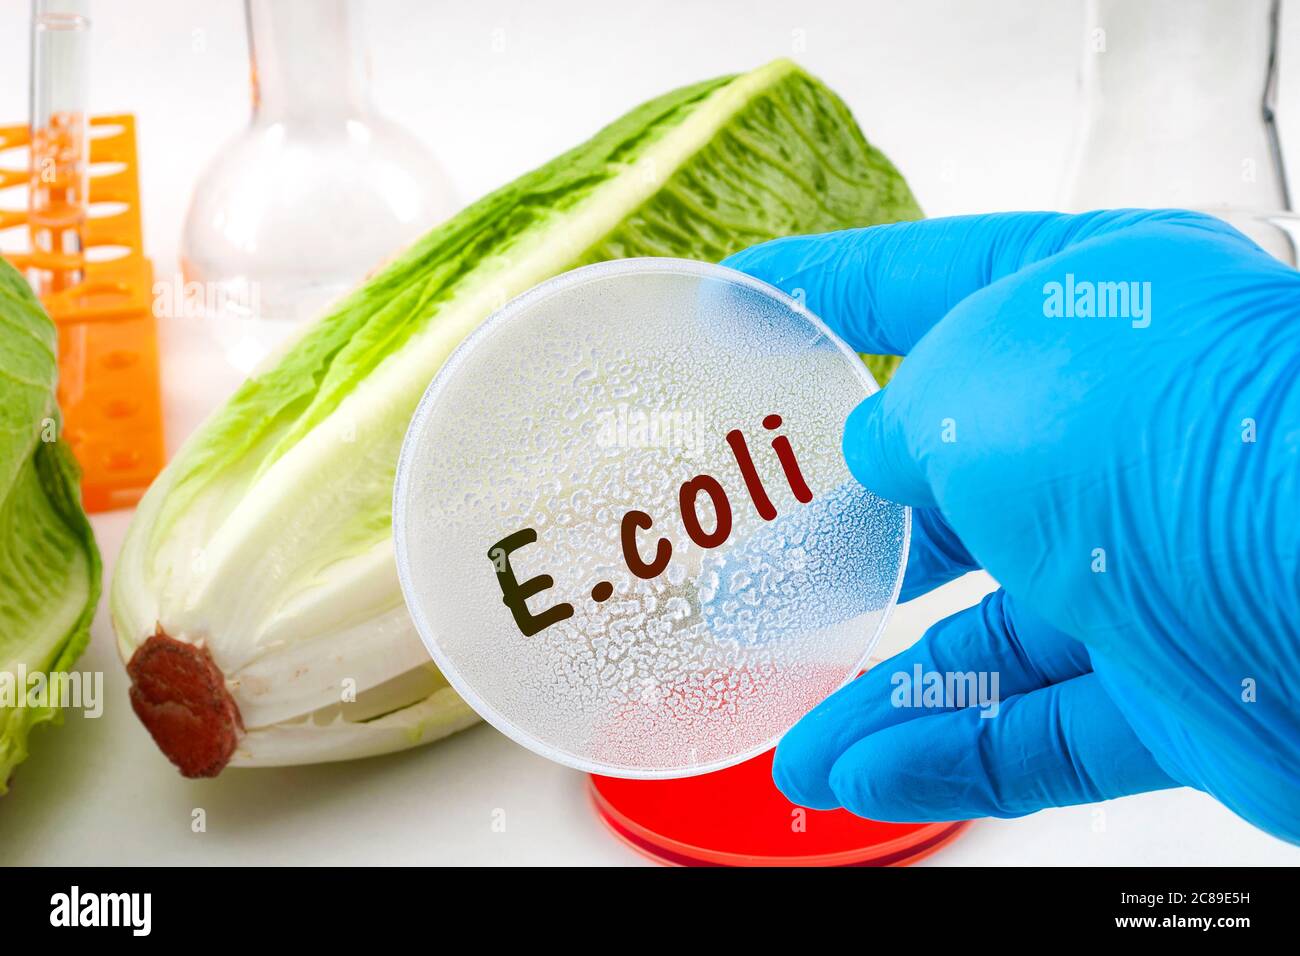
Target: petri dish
(624, 526)
(737, 817)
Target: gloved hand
(1130, 474)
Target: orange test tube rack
(109, 391)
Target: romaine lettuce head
(49, 567)
(256, 599)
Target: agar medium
(737, 817)
(623, 522)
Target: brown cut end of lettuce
(180, 696)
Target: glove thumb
(877, 450)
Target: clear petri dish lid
(624, 526)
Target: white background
(975, 102)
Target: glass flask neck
(306, 61)
(1178, 107)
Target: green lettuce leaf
(49, 566)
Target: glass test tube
(57, 193)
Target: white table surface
(972, 100)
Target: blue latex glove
(1163, 448)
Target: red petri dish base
(737, 817)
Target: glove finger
(935, 555)
(883, 287)
(1058, 746)
(995, 638)
(879, 450)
